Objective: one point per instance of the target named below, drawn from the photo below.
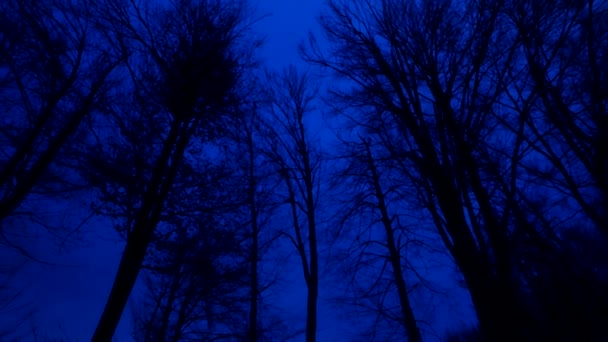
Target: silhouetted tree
(196, 266)
(257, 184)
(442, 71)
(298, 164)
(187, 61)
(378, 244)
(55, 68)
(562, 46)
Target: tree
(298, 164)
(185, 68)
(441, 70)
(55, 73)
(369, 197)
(567, 87)
(257, 187)
(196, 265)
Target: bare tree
(298, 164)
(259, 186)
(196, 267)
(185, 67)
(440, 68)
(562, 47)
(370, 203)
(56, 71)
(55, 68)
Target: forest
(422, 152)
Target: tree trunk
(311, 309)
(253, 305)
(143, 229)
(313, 284)
(126, 276)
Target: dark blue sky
(289, 24)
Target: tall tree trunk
(253, 305)
(312, 282)
(126, 276)
(313, 285)
(143, 229)
(291, 100)
(311, 309)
